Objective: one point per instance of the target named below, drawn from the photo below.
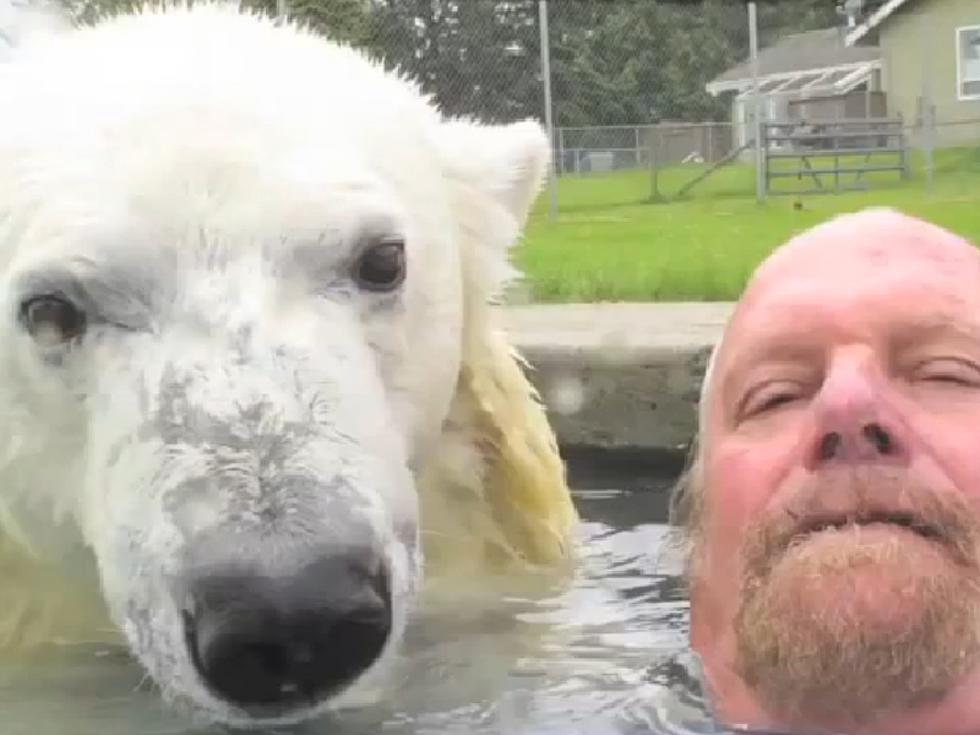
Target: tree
(89, 11)
(476, 57)
(613, 62)
(341, 20)
(344, 20)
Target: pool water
(604, 656)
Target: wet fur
(491, 485)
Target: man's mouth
(903, 520)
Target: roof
(820, 83)
(822, 50)
(873, 21)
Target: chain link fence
(653, 95)
(660, 91)
(603, 149)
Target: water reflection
(603, 656)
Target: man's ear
(508, 163)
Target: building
(930, 54)
(811, 75)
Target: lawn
(609, 244)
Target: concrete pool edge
(619, 376)
(622, 469)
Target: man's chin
(858, 620)
(868, 580)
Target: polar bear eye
(52, 320)
(381, 267)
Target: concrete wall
(619, 376)
(918, 43)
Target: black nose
(260, 640)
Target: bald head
(872, 237)
(858, 250)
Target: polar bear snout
(263, 642)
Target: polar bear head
(235, 263)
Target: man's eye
(768, 398)
(52, 320)
(953, 371)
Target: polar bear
(250, 384)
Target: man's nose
(855, 421)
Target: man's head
(834, 502)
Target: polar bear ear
(506, 162)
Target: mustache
(862, 495)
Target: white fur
(209, 176)
(23, 20)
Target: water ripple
(604, 657)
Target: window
(968, 62)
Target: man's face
(837, 565)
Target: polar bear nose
(259, 640)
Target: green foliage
(477, 57)
(89, 11)
(343, 20)
(612, 61)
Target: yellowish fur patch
(496, 496)
(44, 606)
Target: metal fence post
(654, 170)
(561, 151)
(760, 194)
(928, 111)
(546, 80)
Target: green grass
(610, 244)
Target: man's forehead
(855, 257)
(872, 238)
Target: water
(600, 657)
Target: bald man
(833, 506)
